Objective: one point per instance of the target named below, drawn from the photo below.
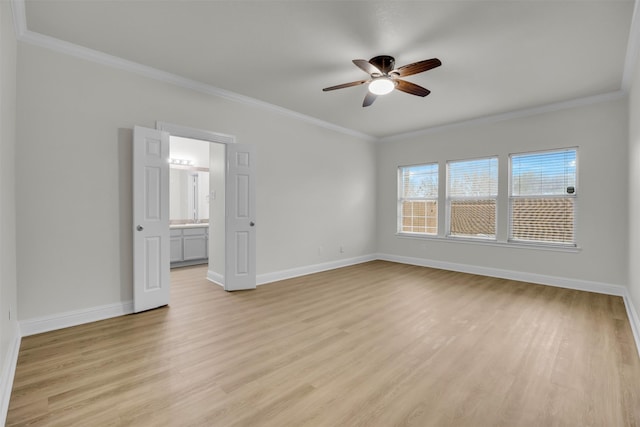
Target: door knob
(252, 223)
(139, 228)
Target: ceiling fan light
(381, 86)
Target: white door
(240, 241)
(150, 219)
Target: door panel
(240, 271)
(151, 243)
(242, 259)
(153, 271)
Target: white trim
(74, 318)
(633, 49)
(102, 58)
(202, 135)
(41, 40)
(560, 282)
(265, 278)
(216, 278)
(19, 17)
(8, 373)
(557, 106)
(487, 242)
(634, 319)
(193, 133)
(78, 317)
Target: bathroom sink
(202, 225)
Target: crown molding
(61, 46)
(631, 59)
(563, 105)
(41, 40)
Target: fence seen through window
(472, 191)
(542, 200)
(541, 197)
(418, 201)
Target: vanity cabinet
(189, 245)
(175, 252)
(194, 243)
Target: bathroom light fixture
(381, 86)
(182, 162)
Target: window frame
(503, 215)
(401, 199)
(448, 199)
(574, 196)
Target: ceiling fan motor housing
(384, 63)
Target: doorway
(190, 201)
(232, 243)
(231, 233)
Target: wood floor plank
(376, 344)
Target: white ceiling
(498, 56)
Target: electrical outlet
(319, 250)
(341, 249)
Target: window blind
(418, 201)
(539, 174)
(472, 190)
(542, 200)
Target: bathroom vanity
(189, 215)
(189, 244)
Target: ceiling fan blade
(411, 88)
(418, 67)
(368, 99)
(365, 66)
(358, 83)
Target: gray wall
(634, 189)
(318, 190)
(600, 132)
(315, 187)
(8, 290)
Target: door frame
(207, 136)
(193, 133)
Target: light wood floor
(378, 344)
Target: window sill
(486, 242)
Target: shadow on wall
(125, 201)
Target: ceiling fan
(384, 78)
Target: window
(418, 199)
(472, 191)
(539, 200)
(543, 194)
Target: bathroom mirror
(189, 195)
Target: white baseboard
(634, 320)
(8, 373)
(78, 317)
(541, 279)
(93, 314)
(74, 318)
(560, 282)
(263, 279)
(216, 278)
